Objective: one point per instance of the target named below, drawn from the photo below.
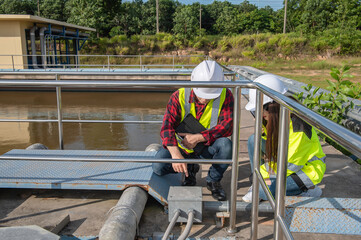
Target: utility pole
(200, 18)
(285, 18)
(157, 11)
(39, 8)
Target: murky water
(82, 105)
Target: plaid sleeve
(171, 120)
(225, 121)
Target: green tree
(148, 21)
(18, 7)
(294, 13)
(317, 15)
(210, 14)
(167, 10)
(186, 22)
(54, 9)
(347, 14)
(128, 20)
(246, 7)
(97, 14)
(228, 21)
(259, 20)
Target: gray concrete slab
(27, 232)
(88, 209)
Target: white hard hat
(207, 71)
(270, 81)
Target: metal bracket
(220, 219)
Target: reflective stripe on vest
(290, 166)
(310, 172)
(209, 118)
(293, 168)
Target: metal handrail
(342, 135)
(101, 55)
(76, 64)
(85, 73)
(100, 158)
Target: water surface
(86, 106)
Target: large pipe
(37, 146)
(223, 206)
(42, 45)
(33, 46)
(69, 32)
(122, 224)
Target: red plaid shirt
(172, 119)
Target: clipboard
(191, 125)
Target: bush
(273, 40)
(224, 44)
(116, 31)
(335, 104)
(248, 54)
(329, 42)
(263, 47)
(246, 41)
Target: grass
(312, 71)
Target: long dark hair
(272, 126)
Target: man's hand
(180, 167)
(191, 140)
(176, 154)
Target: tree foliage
(54, 9)
(186, 22)
(18, 7)
(113, 17)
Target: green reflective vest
(305, 156)
(210, 115)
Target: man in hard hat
(212, 108)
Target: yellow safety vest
(308, 161)
(210, 115)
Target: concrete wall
(13, 42)
(10, 43)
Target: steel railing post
(108, 63)
(256, 164)
(282, 155)
(140, 63)
(60, 115)
(45, 61)
(173, 63)
(235, 155)
(12, 60)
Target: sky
(275, 4)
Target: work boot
(217, 191)
(191, 180)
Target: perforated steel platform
(324, 215)
(84, 175)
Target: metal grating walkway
(84, 175)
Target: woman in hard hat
(211, 109)
(306, 160)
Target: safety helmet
(207, 71)
(270, 81)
